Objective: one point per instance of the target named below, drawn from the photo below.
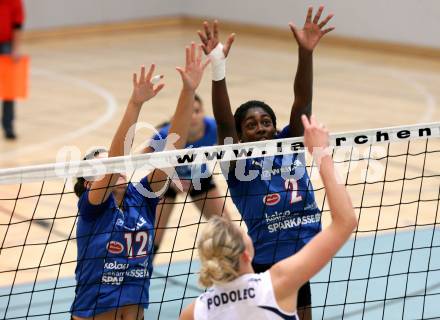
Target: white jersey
(250, 296)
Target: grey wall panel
(42, 14)
(400, 21)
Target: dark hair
(79, 187)
(240, 113)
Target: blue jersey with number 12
(115, 249)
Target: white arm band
(218, 63)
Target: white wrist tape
(218, 63)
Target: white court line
(111, 107)
(399, 75)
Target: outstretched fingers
(228, 44)
(135, 79)
(142, 76)
(318, 14)
(309, 14)
(202, 35)
(150, 73)
(328, 30)
(326, 20)
(199, 58)
(199, 55)
(193, 52)
(215, 29)
(144, 85)
(204, 41)
(294, 30)
(207, 31)
(187, 56)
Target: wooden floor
(80, 85)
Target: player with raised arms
(280, 213)
(235, 292)
(115, 227)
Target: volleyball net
(390, 268)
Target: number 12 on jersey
(136, 242)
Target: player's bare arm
(307, 39)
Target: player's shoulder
(202, 300)
(200, 306)
(210, 121)
(84, 203)
(261, 282)
(89, 212)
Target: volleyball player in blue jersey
(279, 209)
(234, 290)
(206, 196)
(115, 228)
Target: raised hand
(316, 136)
(210, 38)
(308, 37)
(193, 72)
(143, 88)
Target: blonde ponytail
(220, 246)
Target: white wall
(43, 14)
(405, 21)
(402, 21)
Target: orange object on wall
(14, 77)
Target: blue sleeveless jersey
(278, 206)
(208, 139)
(115, 249)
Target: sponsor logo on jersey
(114, 265)
(271, 199)
(141, 223)
(115, 247)
(115, 273)
(286, 220)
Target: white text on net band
(227, 152)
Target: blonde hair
(220, 246)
